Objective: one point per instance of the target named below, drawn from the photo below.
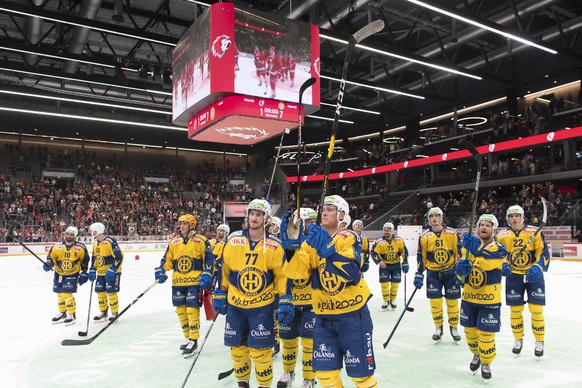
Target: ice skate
(517, 346)
(486, 371)
(455, 334)
(385, 306)
(243, 384)
(308, 384)
(59, 318)
(539, 349)
(286, 380)
(101, 317)
(190, 348)
(113, 317)
(475, 363)
(438, 335)
(392, 305)
(71, 319)
(183, 346)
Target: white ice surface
(141, 350)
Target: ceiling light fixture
(403, 57)
(542, 92)
(488, 26)
(377, 88)
(55, 56)
(329, 119)
(350, 108)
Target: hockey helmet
(488, 218)
(72, 230)
(224, 227)
(514, 209)
(388, 225)
(96, 229)
(188, 218)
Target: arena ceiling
(90, 50)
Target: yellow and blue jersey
(69, 260)
(534, 253)
(483, 284)
(438, 251)
(390, 251)
(106, 253)
(333, 294)
(252, 270)
(187, 258)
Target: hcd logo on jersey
(477, 278)
(252, 281)
(221, 45)
(331, 283)
(184, 264)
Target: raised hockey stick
(533, 236)
(84, 333)
(285, 132)
(400, 318)
(360, 35)
(479, 159)
(302, 90)
(28, 249)
(88, 341)
(199, 350)
(411, 309)
(224, 375)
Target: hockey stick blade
(77, 342)
(224, 375)
(368, 30)
(305, 86)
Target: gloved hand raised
(418, 280)
(291, 235)
(48, 265)
(472, 244)
(219, 302)
(205, 281)
(318, 238)
(534, 273)
(110, 274)
(285, 311)
(463, 267)
(160, 275)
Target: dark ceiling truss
(151, 28)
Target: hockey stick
(88, 341)
(533, 236)
(285, 132)
(28, 249)
(479, 159)
(199, 350)
(360, 35)
(302, 90)
(223, 375)
(411, 309)
(400, 318)
(84, 333)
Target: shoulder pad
(111, 240)
(237, 233)
(59, 246)
(176, 240)
(272, 245)
(81, 245)
(449, 231)
(273, 237)
(201, 237)
(347, 233)
(504, 232)
(530, 228)
(426, 232)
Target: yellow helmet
(190, 219)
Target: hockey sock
(290, 347)
(70, 303)
(241, 362)
(329, 378)
(436, 309)
(263, 360)
(365, 382)
(538, 325)
(183, 318)
(472, 338)
(102, 298)
(393, 291)
(487, 351)
(61, 302)
(385, 291)
(193, 322)
(516, 318)
(307, 358)
(113, 302)
(453, 312)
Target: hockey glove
(318, 238)
(418, 280)
(219, 303)
(92, 275)
(160, 275)
(463, 267)
(365, 266)
(285, 311)
(505, 270)
(534, 273)
(83, 278)
(110, 274)
(405, 267)
(205, 281)
(291, 234)
(472, 244)
(48, 265)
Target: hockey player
(481, 303)
(274, 225)
(274, 68)
(260, 59)
(358, 226)
(438, 252)
(251, 271)
(291, 65)
(190, 258)
(346, 222)
(302, 324)
(70, 260)
(332, 259)
(531, 260)
(388, 252)
(105, 271)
